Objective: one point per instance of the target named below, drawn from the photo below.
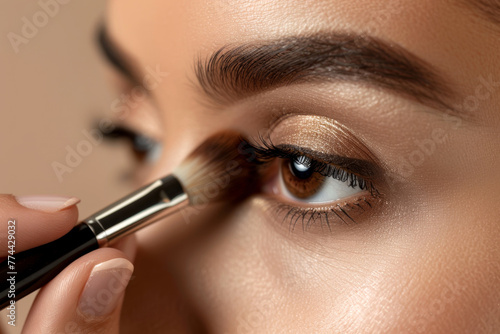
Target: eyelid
(320, 134)
(370, 173)
(125, 84)
(342, 211)
(141, 144)
(359, 167)
(266, 150)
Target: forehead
(203, 24)
(445, 33)
(232, 19)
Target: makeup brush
(218, 170)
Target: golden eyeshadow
(309, 151)
(319, 134)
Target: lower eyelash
(325, 217)
(144, 148)
(342, 212)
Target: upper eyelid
(265, 149)
(120, 82)
(357, 166)
(123, 82)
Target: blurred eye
(144, 148)
(310, 181)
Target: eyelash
(141, 145)
(265, 152)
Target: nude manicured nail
(105, 287)
(47, 203)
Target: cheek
(433, 277)
(242, 273)
(441, 277)
(449, 291)
(233, 270)
(246, 270)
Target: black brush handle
(37, 266)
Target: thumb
(86, 297)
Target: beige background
(51, 91)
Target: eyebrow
(488, 9)
(235, 72)
(115, 56)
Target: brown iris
(299, 177)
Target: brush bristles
(220, 169)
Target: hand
(86, 297)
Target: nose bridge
(187, 127)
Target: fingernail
(47, 203)
(105, 287)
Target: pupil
(301, 167)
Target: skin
(426, 259)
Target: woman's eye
(310, 181)
(144, 148)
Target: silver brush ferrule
(139, 209)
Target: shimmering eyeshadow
(319, 134)
(316, 152)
